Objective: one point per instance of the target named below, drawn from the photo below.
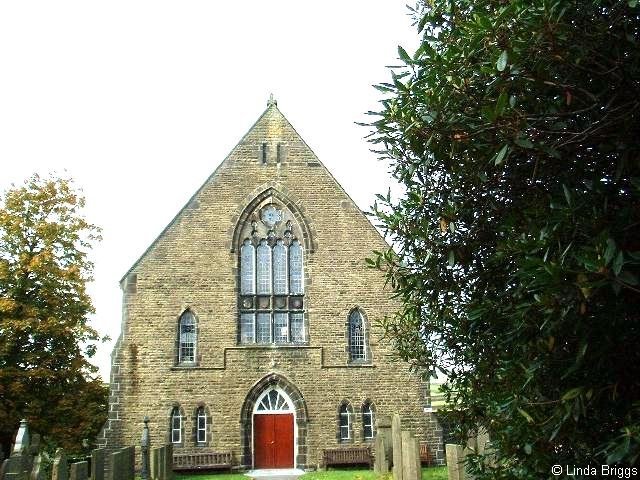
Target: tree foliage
(45, 338)
(515, 128)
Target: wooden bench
(347, 456)
(201, 461)
(425, 454)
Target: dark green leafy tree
(45, 338)
(515, 130)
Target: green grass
(433, 473)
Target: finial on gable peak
(272, 101)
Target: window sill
(360, 363)
(186, 366)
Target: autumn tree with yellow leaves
(45, 337)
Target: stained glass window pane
(247, 262)
(264, 268)
(263, 328)
(356, 336)
(281, 328)
(297, 327)
(187, 337)
(279, 268)
(296, 283)
(247, 334)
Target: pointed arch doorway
(274, 430)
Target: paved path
(275, 474)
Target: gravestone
(79, 471)
(410, 457)
(145, 443)
(60, 470)
(383, 427)
(154, 467)
(396, 440)
(455, 457)
(14, 476)
(380, 465)
(13, 464)
(22, 439)
(168, 462)
(97, 464)
(162, 465)
(117, 464)
(128, 463)
(37, 470)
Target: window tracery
(271, 278)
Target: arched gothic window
(176, 425)
(187, 338)
(271, 280)
(368, 420)
(345, 426)
(357, 338)
(201, 425)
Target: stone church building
(250, 325)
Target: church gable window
(357, 337)
(271, 277)
(187, 338)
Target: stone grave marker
(79, 471)
(380, 465)
(154, 465)
(60, 470)
(383, 427)
(22, 439)
(97, 464)
(168, 462)
(37, 470)
(410, 457)
(117, 460)
(128, 463)
(396, 440)
(145, 443)
(455, 455)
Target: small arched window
(357, 340)
(187, 338)
(344, 422)
(368, 421)
(201, 425)
(176, 425)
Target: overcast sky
(140, 101)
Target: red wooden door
(273, 441)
